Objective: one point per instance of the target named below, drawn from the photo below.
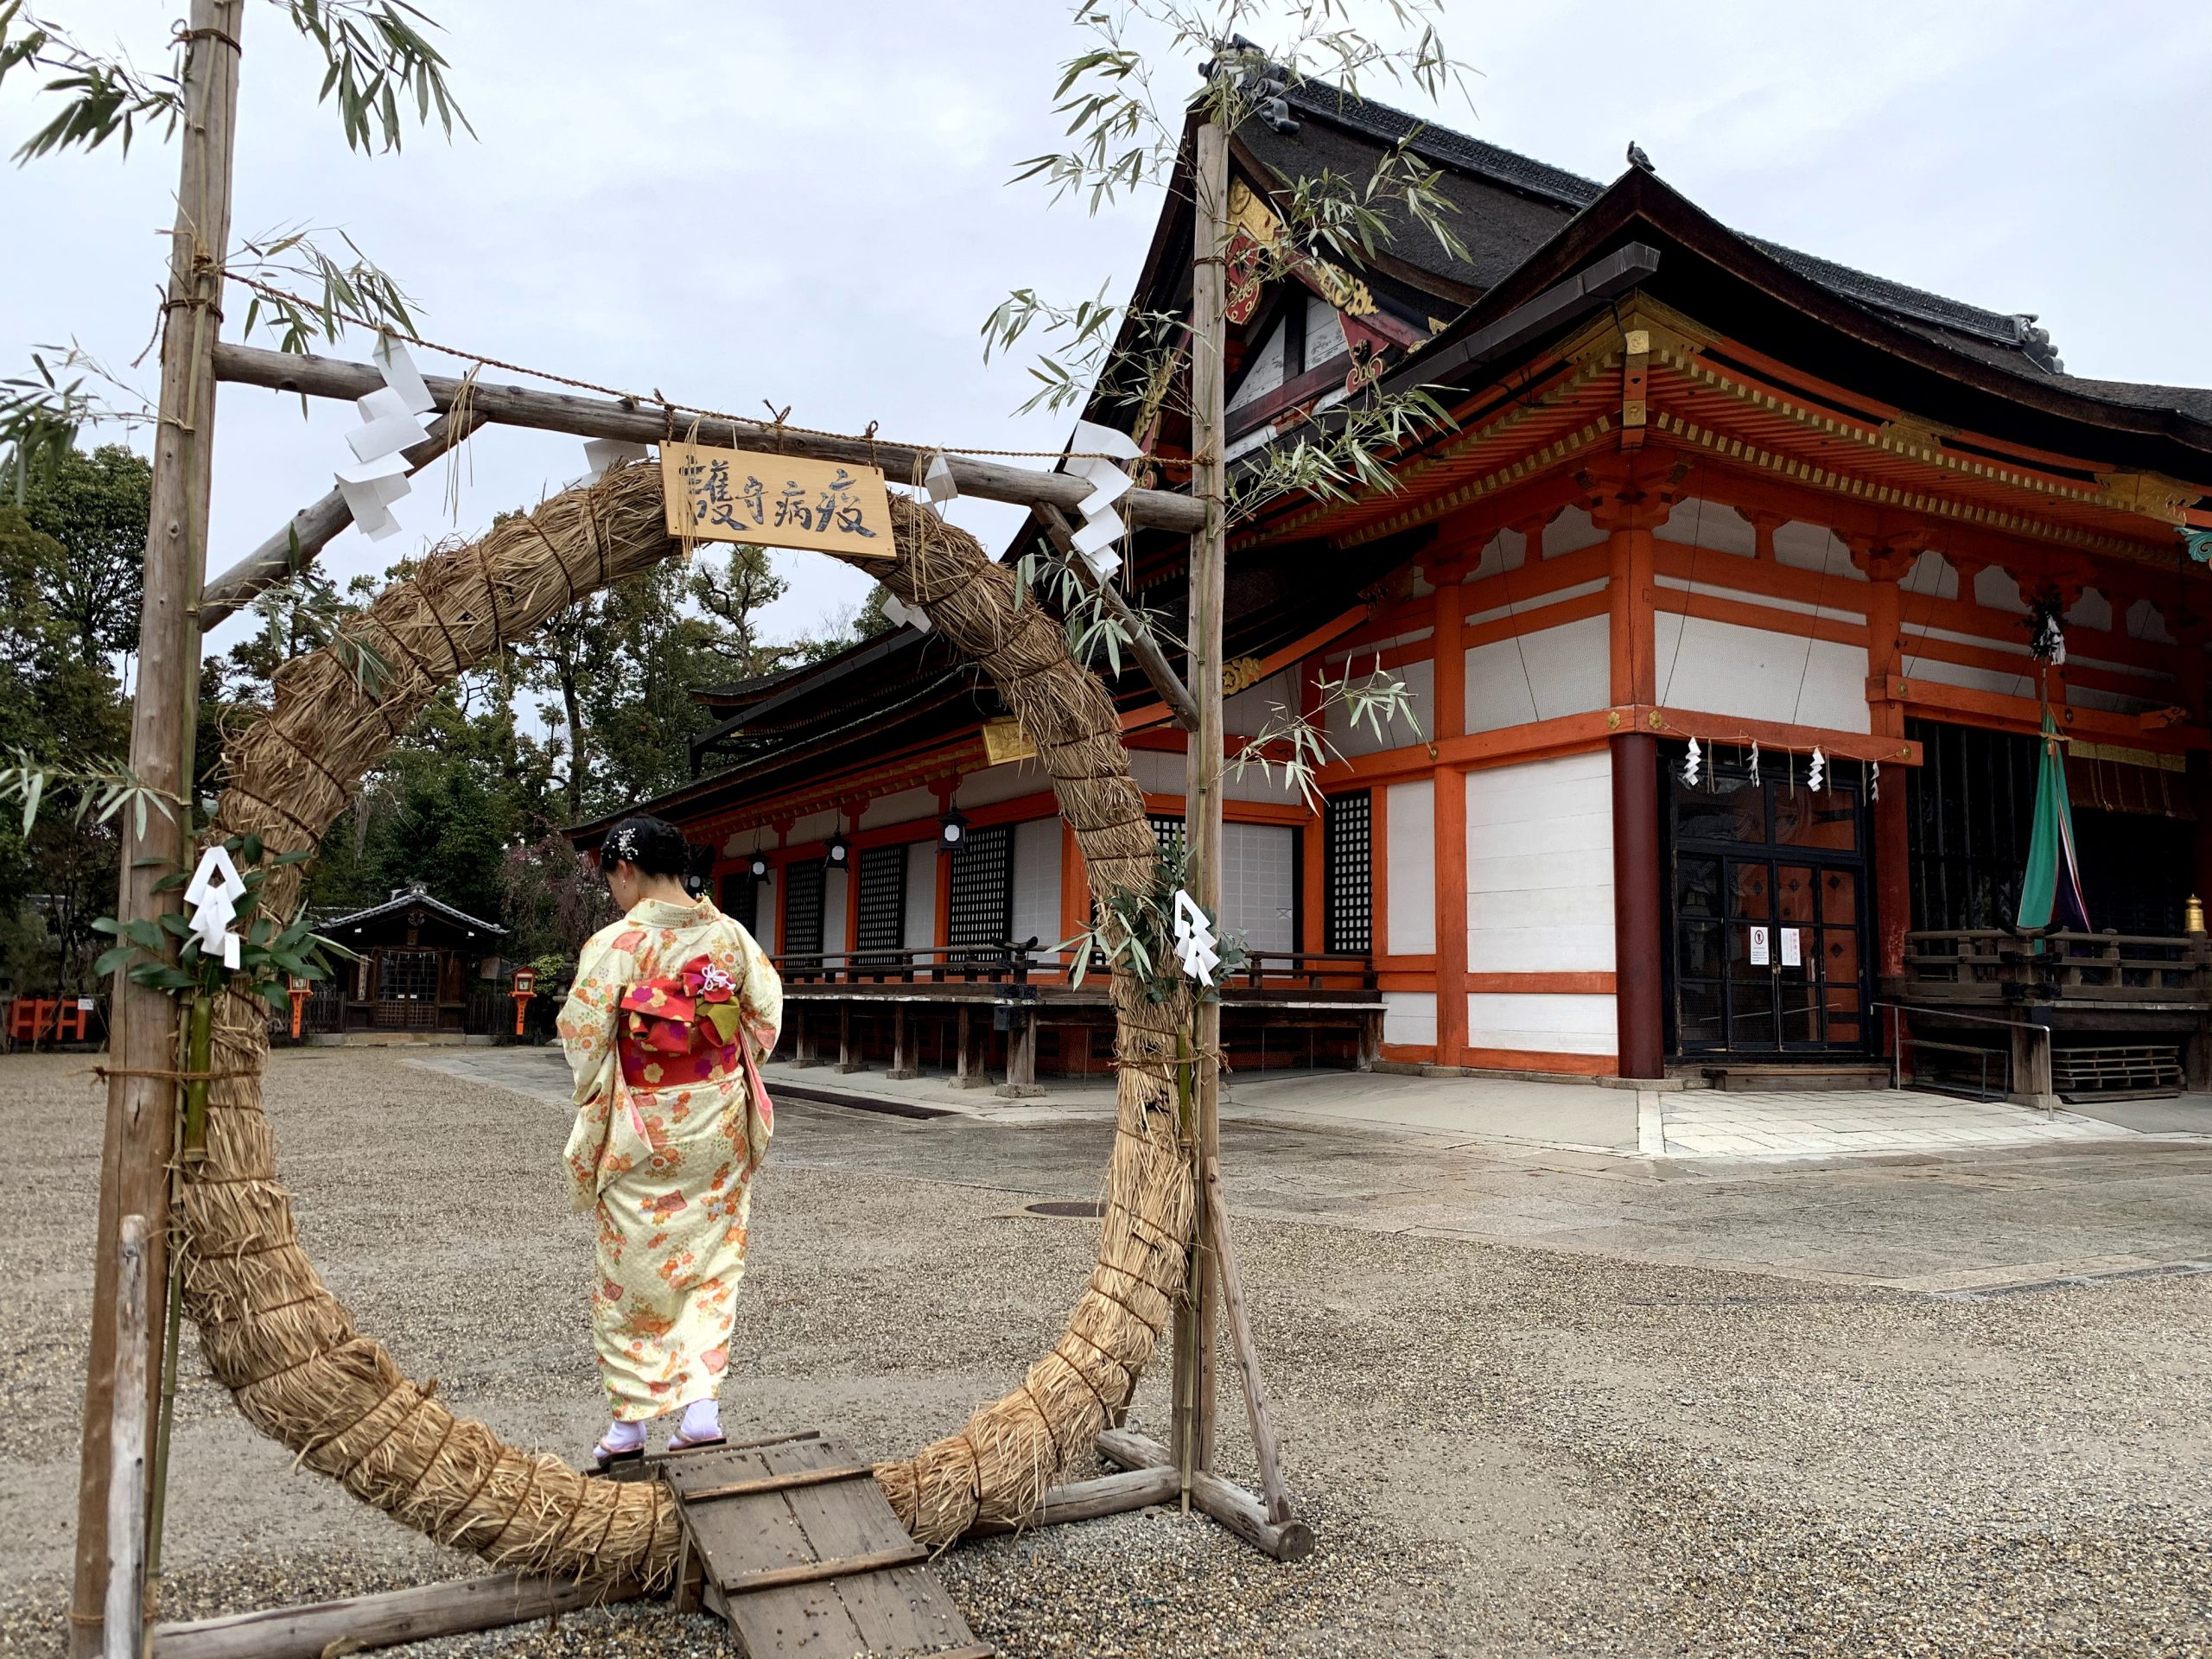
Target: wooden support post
(1087, 1500)
(140, 1100)
(1202, 777)
(1218, 1499)
(1264, 1445)
(1449, 817)
(1021, 1056)
(801, 1039)
(125, 1617)
(848, 1058)
(383, 1620)
(902, 1047)
(1638, 1008)
(967, 1071)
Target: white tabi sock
(622, 1437)
(703, 1420)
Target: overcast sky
(738, 200)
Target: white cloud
(808, 204)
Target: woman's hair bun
(654, 845)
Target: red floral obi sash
(681, 1030)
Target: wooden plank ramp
(793, 1543)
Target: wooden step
(793, 1543)
(2116, 1071)
(1764, 1077)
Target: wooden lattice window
(740, 900)
(982, 907)
(803, 890)
(1167, 833)
(883, 904)
(1347, 853)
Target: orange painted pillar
(1075, 888)
(1628, 509)
(1314, 845)
(1450, 680)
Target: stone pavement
(1464, 1112)
(1980, 1219)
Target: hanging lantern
(839, 853)
(952, 829)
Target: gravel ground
(1502, 1449)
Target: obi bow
(695, 1008)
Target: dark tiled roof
(1499, 238)
(407, 900)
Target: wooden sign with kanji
(738, 495)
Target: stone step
(1769, 1078)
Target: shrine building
(1701, 490)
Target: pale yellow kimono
(669, 1171)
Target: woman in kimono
(672, 1008)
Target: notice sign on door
(1760, 958)
(1792, 948)
(737, 495)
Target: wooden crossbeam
(779, 1483)
(310, 530)
(386, 1619)
(603, 417)
(836, 1567)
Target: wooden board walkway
(793, 1543)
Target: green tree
(69, 558)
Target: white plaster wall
(1259, 883)
(2011, 684)
(2092, 610)
(1540, 867)
(1325, 332)
(902, 808)
(1409, 1017)
(1809, 547)
(1006, 783)
(1711, 525)
(921, 895)
(1553, 671)
(1996, 589)
(1931, 574)
(1419, 679)
(1546, 1024)
(768, 911)
(1410, 848)
(1036, 881)
(816, 826)
(1258, 783)
(1570, 531)
(833, 886)
(2145, 621)
(1507, 551)
(1158, 771)
(1252, 710)
(1724, 669)
(1266, 373)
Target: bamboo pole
(1202, 836)
(1142, 646)
(1264, 1443)
(141, 1108)
(123, 1621)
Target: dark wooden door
(1766, 938)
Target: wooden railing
(1997, 965)
(1021, 963)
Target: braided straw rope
(287, 1349)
